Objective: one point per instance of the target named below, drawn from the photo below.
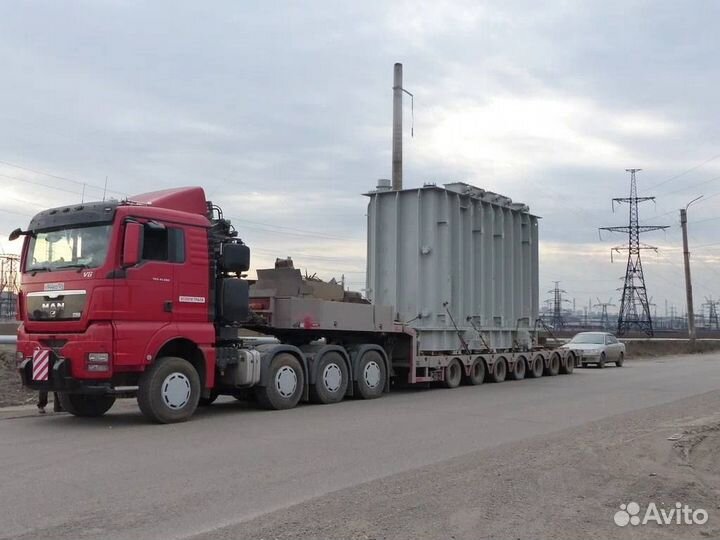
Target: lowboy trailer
(146, 298)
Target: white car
(597, 348)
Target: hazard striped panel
(41, 365)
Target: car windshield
(595, 339)
(81, 247)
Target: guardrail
(8, 340)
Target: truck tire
(453, 374)
(286, 382)
(499, 370)
(331, 379)
(519, 369)
(370, 383)
(621, 360)
(569, 366)
(553, 367)
(537, 366)
(477, 372)
(169, 390)
(86, 405)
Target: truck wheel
(370, 383)
(536, 368)
(569, 365)
(518, 372)
(169, 390)
(477, 372)
(453, 374)
(499, 371)
(207, 401)
(601, 361)
(621, 360)
(331, 379)
(85, 405)
(553, 367)
(285, 385)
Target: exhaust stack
(397, 179)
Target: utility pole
(634, 308)
(688, 281)
(557, 321)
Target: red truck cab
(108, 287)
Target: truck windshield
(81, 247)
(595, 339)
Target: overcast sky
(282, 111)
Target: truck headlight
(98, 361)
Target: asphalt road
(118, 477)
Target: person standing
(43, 401)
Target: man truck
(147, 297)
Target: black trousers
(43, 401)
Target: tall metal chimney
(397, 175)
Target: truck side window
(166, 244)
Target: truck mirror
(15, 234)
(132, 244)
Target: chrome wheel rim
(176, 390)
(332, 377)
(371, 374)
(286, 381)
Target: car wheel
(601, 361)
(621, 360)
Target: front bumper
(60, 379)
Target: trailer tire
(331, 379)
(169, 390)
(537, 367)
(519, 370)
(569, 366)
(453, 374)
(477, 372)
(553, 367)
(286, 382)
(499, 370)
(84, 405)
(370, 383)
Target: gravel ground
(563, 486)
(11, 391)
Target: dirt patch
(562, 487)
(638, 348)
(11, 390)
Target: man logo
(53, 308)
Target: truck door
(144, 299)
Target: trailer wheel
(569, 366)
(285, 384)
(453, 374)
(537, 367)
(169, 390)
(621, 360)
(370, 382)
(477, 372)
(518, 372)
(331, 379)
(553, 367)
(499, 370)
(85, 405)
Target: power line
(58, 177)
(684, 172)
